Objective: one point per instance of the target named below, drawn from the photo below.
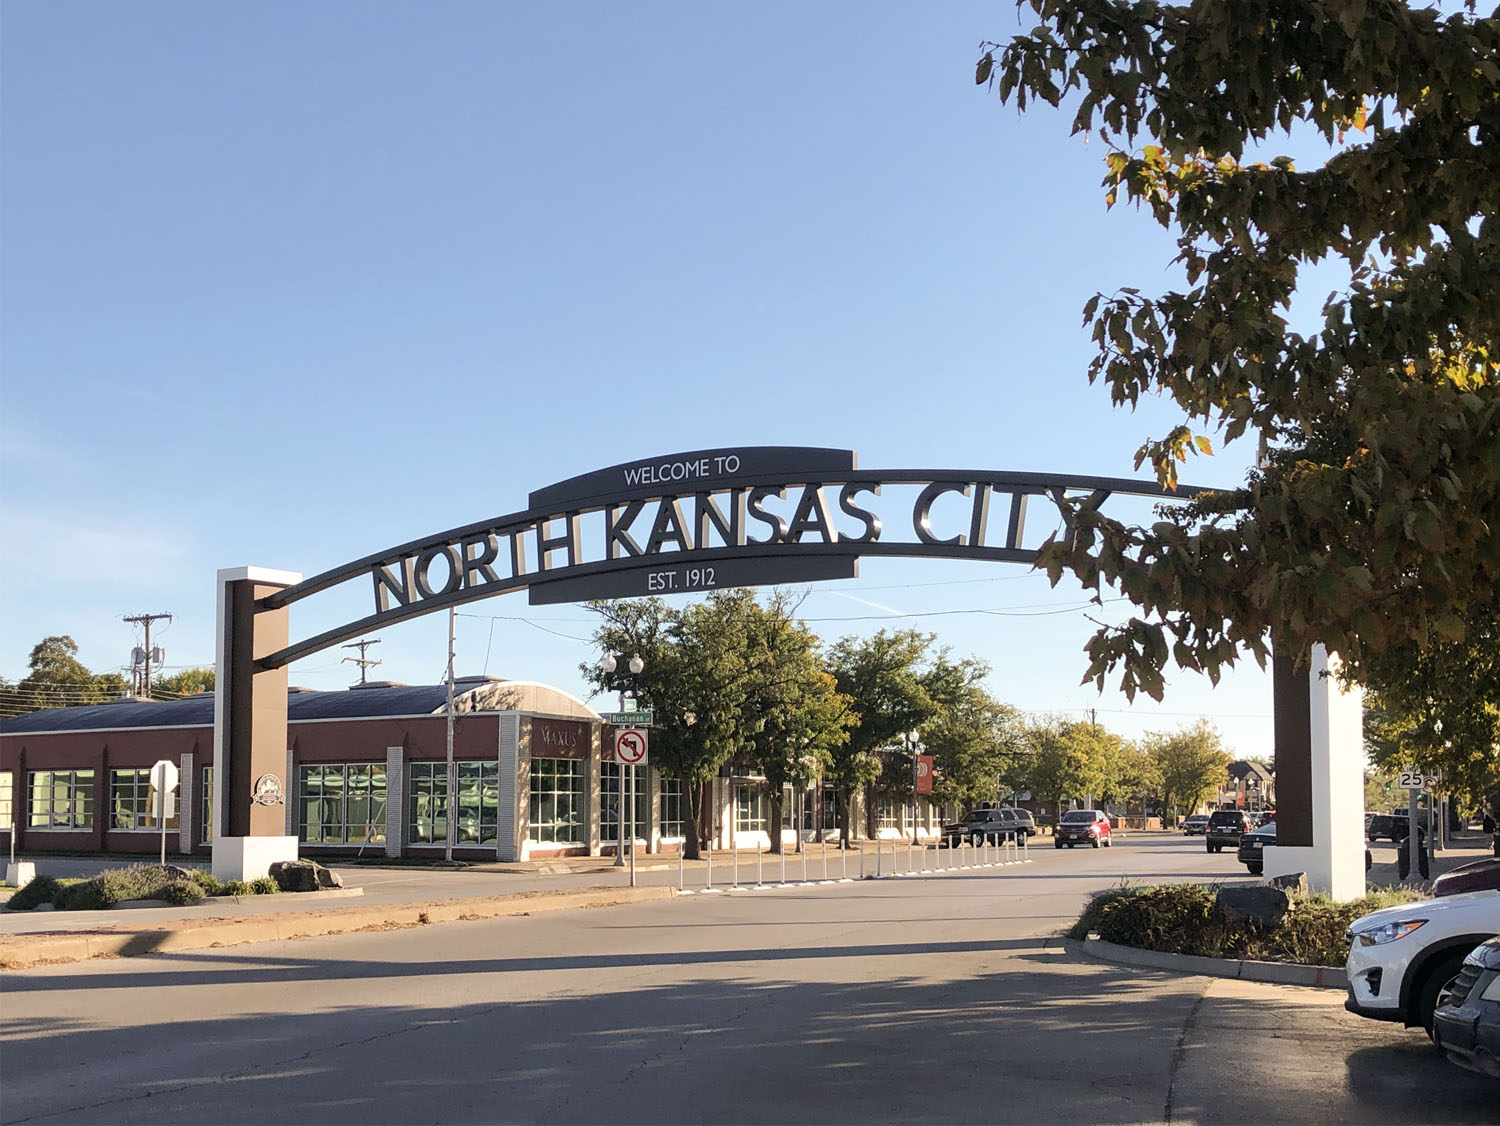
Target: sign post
(632, 750)
(163, 783)
(1414, 782)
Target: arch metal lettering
(703, 520)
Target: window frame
(544, 831)
(138, 790)
(79, 794)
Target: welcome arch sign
(681, 523)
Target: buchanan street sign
(689, 522)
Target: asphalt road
(940, 999)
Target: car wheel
(1255, 869)
(1072, 843)
(1096, 842)
(1439, 977)
(1057, 844)
(1109, 842)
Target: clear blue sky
(287, 284)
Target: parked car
(1466, 1022)
(1252, 847)
(1386, 826)
(1402, 958)
(1195, 825)
(1082, 826)
(1477, 875)
(1225, 827)
(997, 823)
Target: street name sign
(641, 717)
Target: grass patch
(1185, 919)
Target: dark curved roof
(198, 711)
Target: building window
(341, 803)
(750, 809)
(671, 807)
(131, 798)
(885, 813)
(478, 810)
(478, 803)
(61, 799)
(610, 801)
(7, 799)
(427, 807)
(557, 801)
(206, 823)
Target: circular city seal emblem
(268, 790)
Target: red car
(1082, 826)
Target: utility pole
(146, 620)
(362, 661)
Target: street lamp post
(635, 665)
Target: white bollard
(680, 885)
(760, 855)
(783, 864)
(710, 883)
(736, 882)
(825, 861)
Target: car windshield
(1077, 815)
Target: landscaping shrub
(96, 894)
(1184, 919)
(180, 893)
(1088, 922)
(209, 884)
(236, 887)
(38, 891)
(265, 886)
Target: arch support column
(250, 735)
(1320, 781)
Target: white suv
(1402, 957)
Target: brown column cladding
(1291, 706)
(255, 723)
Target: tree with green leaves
(188, 682)
(58, 679)
(882, 677)
(1191, 764)
(972, 738)
(793, 715)
(1065, 759)
(693, 679)
(1440, 712)
(1372, 523)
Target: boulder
(1294, 882)
(303, 875)
(1260, 905)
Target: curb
(20, 951)
(1274, 973)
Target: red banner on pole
(924, 774)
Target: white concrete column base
(250, 858)
(1337, 872)
(19, 873)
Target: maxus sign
(698, 521)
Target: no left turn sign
(630, 746)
